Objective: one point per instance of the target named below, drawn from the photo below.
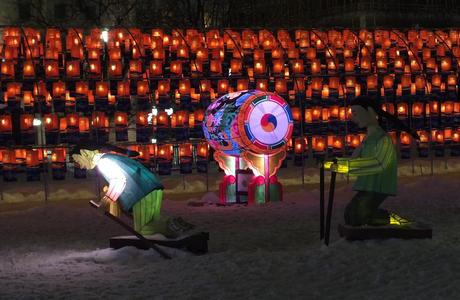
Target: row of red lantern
(245, 40)
(317, 86)
(100, 120)
(32, 157)
(338, 142)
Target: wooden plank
(413, 231)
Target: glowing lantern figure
(248, 129)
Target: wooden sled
(196, 243)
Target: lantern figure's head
(87, 159)
(363, 117)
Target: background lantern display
(248, 130)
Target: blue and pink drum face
(254, 121)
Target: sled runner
(196, 243)
(407, 231)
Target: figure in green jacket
(374, 163)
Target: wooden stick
(146, 241)
(321, 201)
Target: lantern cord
(426, 90)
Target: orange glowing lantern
(372, 82)
(417, 109)
(388, 82)
(242, 84)
(142, 88)
(300, 146)
(202, 150)
(399, 64)
(318, 143)
(51, 69)
(216, 67)
(447, 108)
(102, 89)
(222, 86)
(26, 121)
(446, 64)
(142, 118)
(315, 66)
(162, 119)
(121, 118)
(236, 66)
(58, 89)
(5, 124)
(13, 89)
(259, 67)
(135, 67)
(278, 67)
(81, 88)
(297, 66)
(402, 109)
(95, 67)
(58, 155)
(184, 87)
(176, 68)
(163, 87)
(28, 69)
(73, 69)
(280, 85)
(83, 124)
(165, 152)
(156, 68)
(71, 120)
(51, 122)
(115, 68)
(262, 84)
(28, 98)
(7, 69)
(349, 65)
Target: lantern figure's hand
(337, 166)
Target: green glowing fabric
(376, 166)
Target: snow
(59, 249)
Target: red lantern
(115, 68)
(58, 89)
(163, 87)
(222, 86)
(156, 68)
(51, 122)
(102, 89)
(83, 124)
(28, 69)
(5, 124)
(51, 69)
(176, 68)
(202, 150)
(26, 122)
(121, 118)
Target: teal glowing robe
(140, 181)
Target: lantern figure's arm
(371, 165)
(115, 177)
(363, 166)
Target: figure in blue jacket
(132, 187)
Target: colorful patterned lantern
(252, 125)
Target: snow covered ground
(58, 249)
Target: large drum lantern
(249, 129)
(255, 121)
